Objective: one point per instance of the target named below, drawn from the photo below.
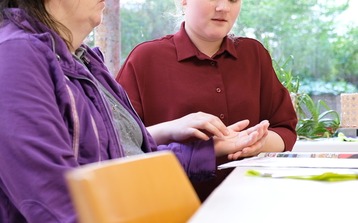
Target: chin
(216, 36)
(97, 20)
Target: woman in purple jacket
(60, 108)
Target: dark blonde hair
(37, 9)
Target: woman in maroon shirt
(202, 68)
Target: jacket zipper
(76, 122)
(108, 114)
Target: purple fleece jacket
(53, 119)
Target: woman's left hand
(242, 143)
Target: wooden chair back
(148, 188)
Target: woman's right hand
(199, 125)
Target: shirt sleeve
(130, 83)
(276, 103)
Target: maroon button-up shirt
(168, 78)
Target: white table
(247, 199)
(325, 145)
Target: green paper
(327, 176)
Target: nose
(223, 5)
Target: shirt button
(212, 63)
(218, 90)
(222, 116)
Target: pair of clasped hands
(234, 141)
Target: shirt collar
(186, 48)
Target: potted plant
(315, 119)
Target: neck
(208, 48)
(210, 51)
(77, 38)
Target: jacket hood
(31, 25)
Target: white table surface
(248, 199)
(325, 145)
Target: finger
(234, 156)
(265, 125)
(200, 135)
(240, 125)
(265, 122)
(250, 151)
(254, 149)
(245, 141)
(262, 125)
(263, 131)
(255, 128)
(216, 128)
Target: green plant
(315, 119)
(284, 74)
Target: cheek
(191, 15)
(235, 13)
(197, 9)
